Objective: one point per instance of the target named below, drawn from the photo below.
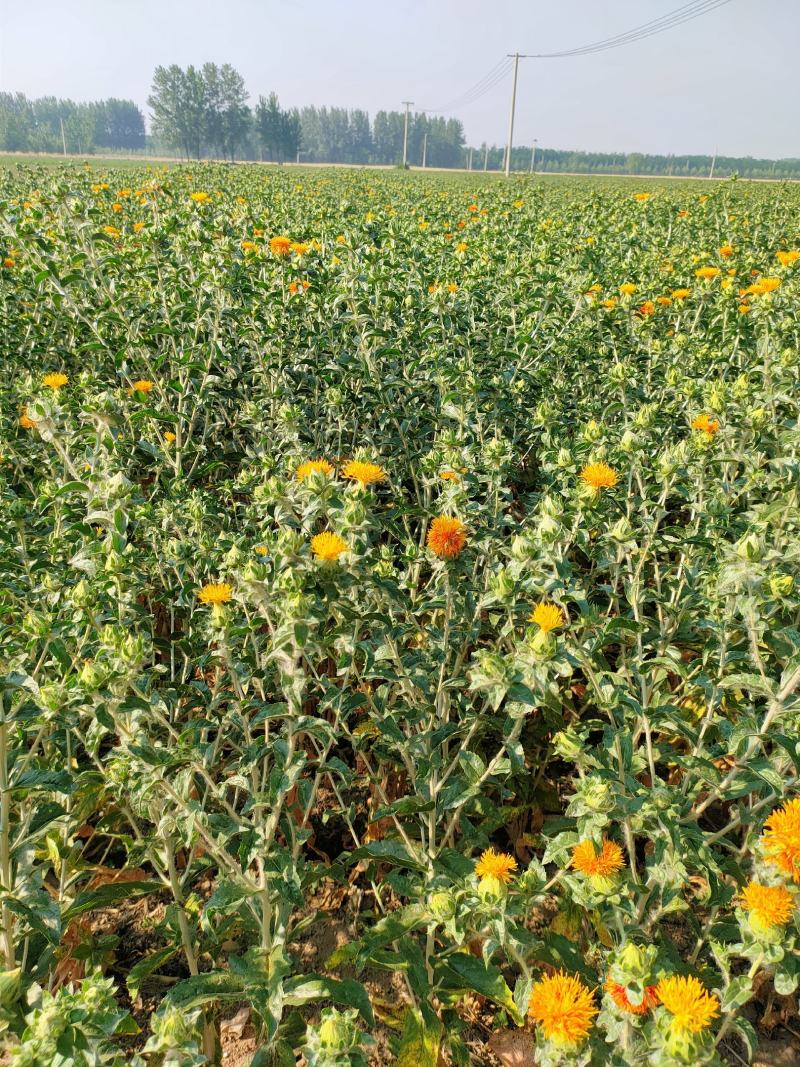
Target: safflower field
(400, 624)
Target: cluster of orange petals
(620, 997)
(607, 861)
(781, 839)
(706, 424)
(563, 1007)
(447, 536)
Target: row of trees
(203, 112)
(51, 125)
(551, 160)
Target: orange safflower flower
(563, 1007)
(691, 1006)
(767, 905)
(447, 536)
(280, 246)
(781, 839)
(599, 476)
(328, 546)
(705, 424)
(588, 861)
(363, 473)
(497, 865)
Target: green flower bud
(629, 441)
(491, 888)
(621, 531)
(568, 744)
(749, 548)
(781, 585)
(443, 906)
(592, 431)
(543, 644)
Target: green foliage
(202, 711)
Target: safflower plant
(428, 593)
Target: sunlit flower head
(55, 381)
(620, 997)
(450, 476)
(781, 839)
(707, 273)
(689, 1003)
(328, 546)
(766, 285)
(447, 536)
(647, 308)
(496, 865)
(767, 905)
(706, 424)
(563, 1007)
(200, 198)
(607, 861)
(25, 421)
(726, 251)
(261, 550)
(363, 473)
(280, 246)
(547, 617)
(641, 197)
(313, 466)
(599, 476)
(142, 385)
(627, 288)
(681, 294)
(169, 436)
(786, 259)
(215, 593)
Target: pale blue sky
(727, 80)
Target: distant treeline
(203, 113)
(51, 125)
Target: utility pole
(425, 150)
(408, 104)
(486, 157)
(470, 159)
(533, 155)
(516, 58)
(63, 138)
(713, 162)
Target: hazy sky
(727, 80)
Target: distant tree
(179, 108)
(387, 137)
(269, 127)
(118, 124)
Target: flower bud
(629, 441)
(781, 585)
(592, 431)
(492, 889)
(749, 548)
(443, 906)
(568, 744)
(621, 531)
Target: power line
(677, 17)
(483, 85)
